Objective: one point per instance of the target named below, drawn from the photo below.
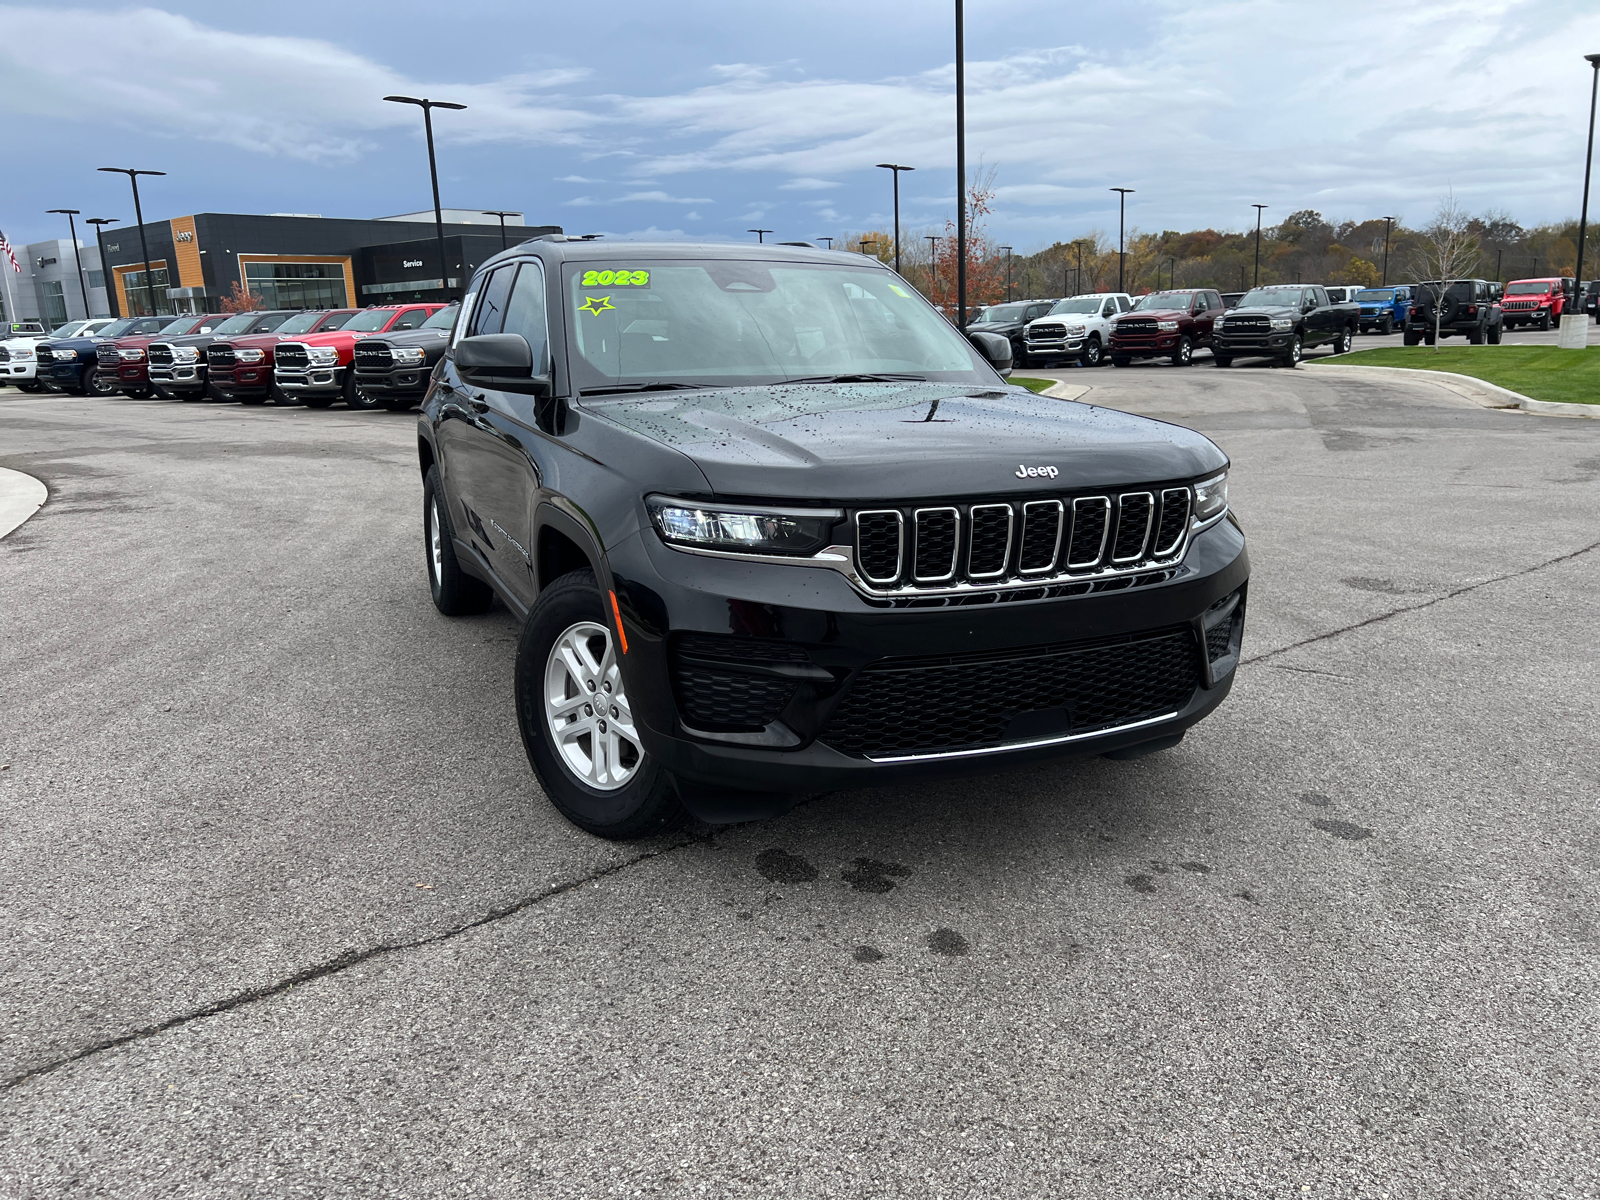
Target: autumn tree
(1448, 252)
(240, 300)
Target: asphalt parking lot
(284, 913)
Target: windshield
(371, 320)
(181, 325)
(1001, 314)
(1078, 304)
(442, 319)
(1165, 300)
(70, 329)
(301, 323)
(1272, 297)
(237, 323)
(1374, 296)
(1529, 289)
(733, 322)
(116, 328)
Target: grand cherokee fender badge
(1036, 472)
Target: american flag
(11, 254)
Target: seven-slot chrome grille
(292, 356)
(1004, 543)
(219, 354)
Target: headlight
(1279, 324)
(130, 355)
(1218, 323)
(1211, 497)
(1077, 331)
(21, 355)
(1167, 326)
(770, 531)
(323, 356)
(409, 356)
(249, 356)
(185, 354)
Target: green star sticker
(596, 304)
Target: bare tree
(1449, 250)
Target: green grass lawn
(1032, 384)
(1543, 372)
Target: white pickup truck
(1077, 329)
(19, 341)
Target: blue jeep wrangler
(1382, 309)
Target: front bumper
(1244, 345)
(13, 371)
(243, 381)
(664, 594)
(133, 373)
(1144, 347)
(396, 382)
(179, 377)
(311, 381)
(1070, 348)
(63, 376)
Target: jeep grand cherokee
(774, 527)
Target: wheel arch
(562, 545)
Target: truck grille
(909, 707)
(1046, 333)
(1136, 325)
(107, 356)
(984, 544)
(291, 356)
(373, 356)
(1247, 325)
(5, 355)
(159, 354)
(219, 354)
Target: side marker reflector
(622, 637)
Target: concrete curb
(1479, 391)
(20, 497)
(1067, 391)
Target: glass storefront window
(139, 296)
(296, 285)
(53, 303)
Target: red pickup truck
(1537, 302)
(127, 360)
(241, 367)
(317, 368)
(1170, 325)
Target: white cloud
(577, 179)
(807, 184)
(660, 198)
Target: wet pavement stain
(870, 875)
(779, 866)
(948, 943)
(1342, 829)
(1141, 883)
(1364, 583)
(867, 954)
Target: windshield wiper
(861, 378)
(648, 387)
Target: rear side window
(491, 310)
(525, 313)
(268, 323)
(411, 318)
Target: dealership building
(297, 260)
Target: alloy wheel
(435, 546)
(586, 710)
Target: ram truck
(772, 526)
(178, 365)
(1280, 321)
(1077, 329)
(240, 367)
(394, 368)
(72, 365)
(126, 359)
(1170, 325)
(1010, 321)
(316, 369)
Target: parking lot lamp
(761, 234)
(138, 215)
(933, 258)
(865, 242)
(427, 106)
(111, 295)
(494, 212)
(1079, 245)
(1172, 273)
(1258, 207)
(76, 257)
(1388, 224)
(961, 167)
(1580, 320)
(829, 240)
(1122, 257)
(896, 168)
(1007, 249)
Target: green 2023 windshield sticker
(619, 279)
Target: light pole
(1122, 212)
(138, 215)
(105, 270)
(76, 257)
(933, 260)
(896, 168)
(1388, 224)
(961, 167)
(864, 243)
(494, 212)
(1581, 318)
(829, 240)
(1172, 273)
(427, 106)
(761, 235)
(1079, 245)
(1007, 249)
(1256, 282)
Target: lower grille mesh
(711, 699)
(926, 706)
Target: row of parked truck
(1279, 321)
(366, 358)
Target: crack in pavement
(343, 962)
(1411, 608)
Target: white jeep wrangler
(1077, 329)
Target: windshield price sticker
(619, 279)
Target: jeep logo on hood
(1036, 472)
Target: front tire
(1120, 360)
(1221, 360)
(96, 384)
(577, 725)
(1184, 354)
(1387, 327)
(1291, 356)
(354, 397)
(454, 592)
(1544, 321)
(1092, 355)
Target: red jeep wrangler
(1537, 302)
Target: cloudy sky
(697, 118)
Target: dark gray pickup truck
(1281, 322)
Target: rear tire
(1412, 338)
(591, 766)
(454, 592)
(1495, 333)
(1341, 344)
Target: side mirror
(500, 360)
(995, 348)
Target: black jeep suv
(1467, 306)
(775, 527)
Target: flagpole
(11, 305)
